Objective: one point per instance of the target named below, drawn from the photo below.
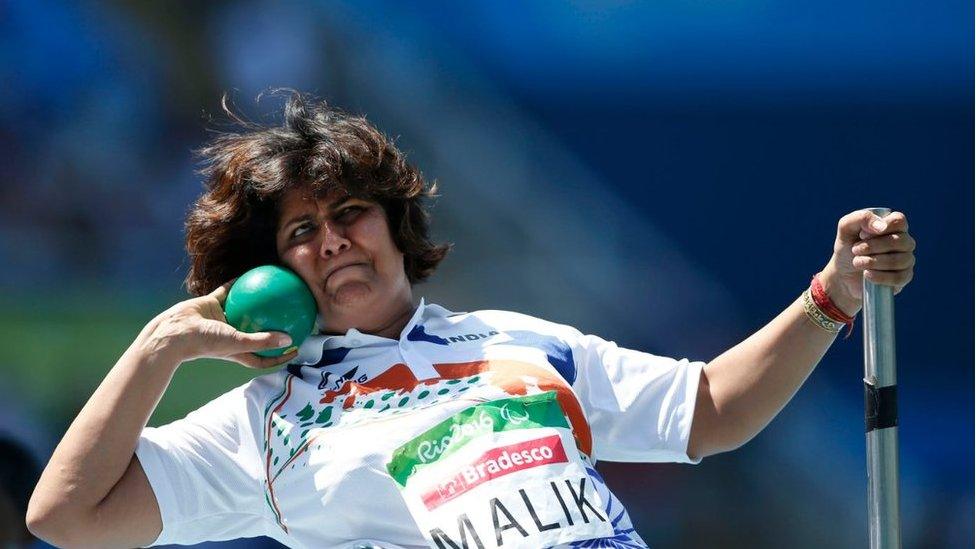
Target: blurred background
(665, 174)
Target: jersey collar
(311, 350)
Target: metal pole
(881, 413)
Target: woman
(401, 425)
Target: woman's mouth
(340, 269)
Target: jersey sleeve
(640, 406)
(206, 474)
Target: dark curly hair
(231, 227)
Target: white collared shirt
(304, 455)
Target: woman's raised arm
(93, 491)
(744, 388)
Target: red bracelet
(824, 303)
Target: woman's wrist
(145, 355)
(153, 349)
(836, 291)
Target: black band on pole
(880, 407)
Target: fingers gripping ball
(271, 299)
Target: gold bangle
(818, 317)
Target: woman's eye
(350, 212)
(301, 230)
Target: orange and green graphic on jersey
(292, 428)
(398, 388)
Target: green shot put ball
(270, 298)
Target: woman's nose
(334, 241)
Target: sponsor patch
(497, 463)
(504, 473)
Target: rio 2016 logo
(430, 450)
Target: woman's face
(342, 248)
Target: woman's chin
(351, 294)
(346, 307)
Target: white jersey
(471, 430)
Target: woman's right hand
(197, 328)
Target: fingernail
(878, 225)
(282, 340)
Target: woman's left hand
(879, 249)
